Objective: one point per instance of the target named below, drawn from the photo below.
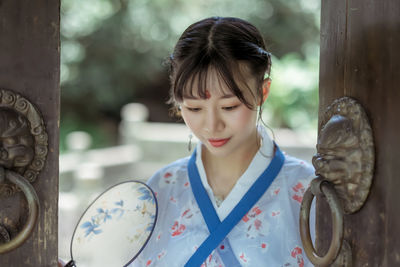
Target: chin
(218, 151)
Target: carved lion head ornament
(345, 152)
(23, 139)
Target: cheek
(191, 121)
(245, 119)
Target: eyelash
(193, 109)
(224, 108)
(230, 108)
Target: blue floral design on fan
(104, 215)
(146, 194)
(91, 227)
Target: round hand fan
(115, 228)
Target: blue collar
(219, 230)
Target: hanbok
(267, 234)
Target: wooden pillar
(30, 66)
(360, 58)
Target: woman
(236, 200)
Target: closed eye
(230, 108)
(193, 109)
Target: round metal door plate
(345, 152)
(23, 139)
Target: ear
(266, 86)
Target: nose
(214, 123)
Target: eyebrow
(222, 97)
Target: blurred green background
(112, 53)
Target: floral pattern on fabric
(274, 190)
(261, 238)
(255, 224)
(179, 224)
(298, 190)
(296, 258)
(244, 259)
(264, 247)
(212, 261)
(168, 177)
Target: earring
(190, 142)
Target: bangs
(191, 79)
(219, 46)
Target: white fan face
(115, 227)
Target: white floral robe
(268, 235)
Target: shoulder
(170, 175)
(297, 167)
(297, 175)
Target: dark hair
(221, 43)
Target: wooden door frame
(30, 66)
(360, 58)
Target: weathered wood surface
(360, 58)
(29, 65)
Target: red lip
(218, 142)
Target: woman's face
(221, 122)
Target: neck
(224, 171)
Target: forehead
(213, 82)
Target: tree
(113, 50)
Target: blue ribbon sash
(219, 230)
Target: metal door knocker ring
(33, 205)
(344, 164)
(23, 152)
(320, 187)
